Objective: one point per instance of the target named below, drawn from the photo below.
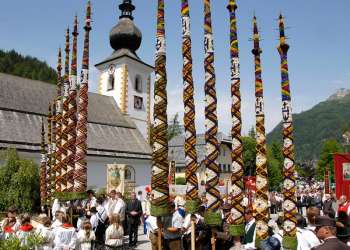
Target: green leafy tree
(19, 182)
(14, 63)
(249, 155)
(275, 165)
(174, 127)
(326, 158)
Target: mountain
(14, 63)
(327, 120)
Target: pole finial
(232, 6)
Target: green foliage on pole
(19, 182)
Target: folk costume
(114, 236)
(84, 239)
(65, 237)
(249, 235)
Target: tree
(19, 182)
(249, 155)
(326, 158)
(174, 127)
(275, 165)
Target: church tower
(124, 75)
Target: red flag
(342, 174)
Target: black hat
(324, 221)
(343, 232)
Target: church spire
(126, 8)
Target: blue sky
(318, 35)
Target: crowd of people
(104, 223)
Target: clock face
(111, 69)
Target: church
(118, 115)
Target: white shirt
(151, 224)
(247, 227)
(114, 236)
(306, 239)
(119, 208)
(94, 221)
(101, 213)
(175, 221)
(84, 242)
(48, 236)
(65, 237)
(90, 203)
(187, 222)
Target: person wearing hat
(326, 232)
(343, 228)
(250, 230)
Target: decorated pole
(212, 217)
(72, 111)
(327, 189)
(236, 219)
(58, 164)
(43, 176)
(49, 152)
(160, 168)
(189, 116)
(289, 188)
(80, 172)
(52, 172)
(261, 199)
(65, 117)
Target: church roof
(23, 102)
(177, 152)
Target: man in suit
(133, 212)
(250, 230)
(326, 232)
(328, 206)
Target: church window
(127, 174)
(138, 83)
(138, 103)
(111, 79)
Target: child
(115, 232)
(9, 228)
(85, 236)
(58, 220)
(65, 236)
(45, 231)
(25, 230)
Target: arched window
(127, 174)
(138, 83)
(111, 80)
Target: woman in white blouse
(85, 236)
(115, 232)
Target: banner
(116, 177)
(342, 174)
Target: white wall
(97, 169)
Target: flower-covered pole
(327, 189)
(52, 172)
(261, 199)
(65, 117)
(160, 168)
(289, 188)
(72, 111)
(212, 217)
(236, 219)
(43, 176)
(58, 164)
(49, 152)
(80, 172)
(189, 115)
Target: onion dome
(125, 35)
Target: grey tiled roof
(176, 147)
(24, 102)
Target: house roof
(23, 102)
(176, 150)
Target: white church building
(118, 115)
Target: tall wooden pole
(49, 152)
(327, 189)
(190, 114)
(58, 164)
(80, 172)
(43, 175)
(289, 188)
(72, 111)
(236, 219)
(160, 168)
(65, 117)
(261, 199)
(52, 172)
(212, 217)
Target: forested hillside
(14, 63)
(327, 120)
